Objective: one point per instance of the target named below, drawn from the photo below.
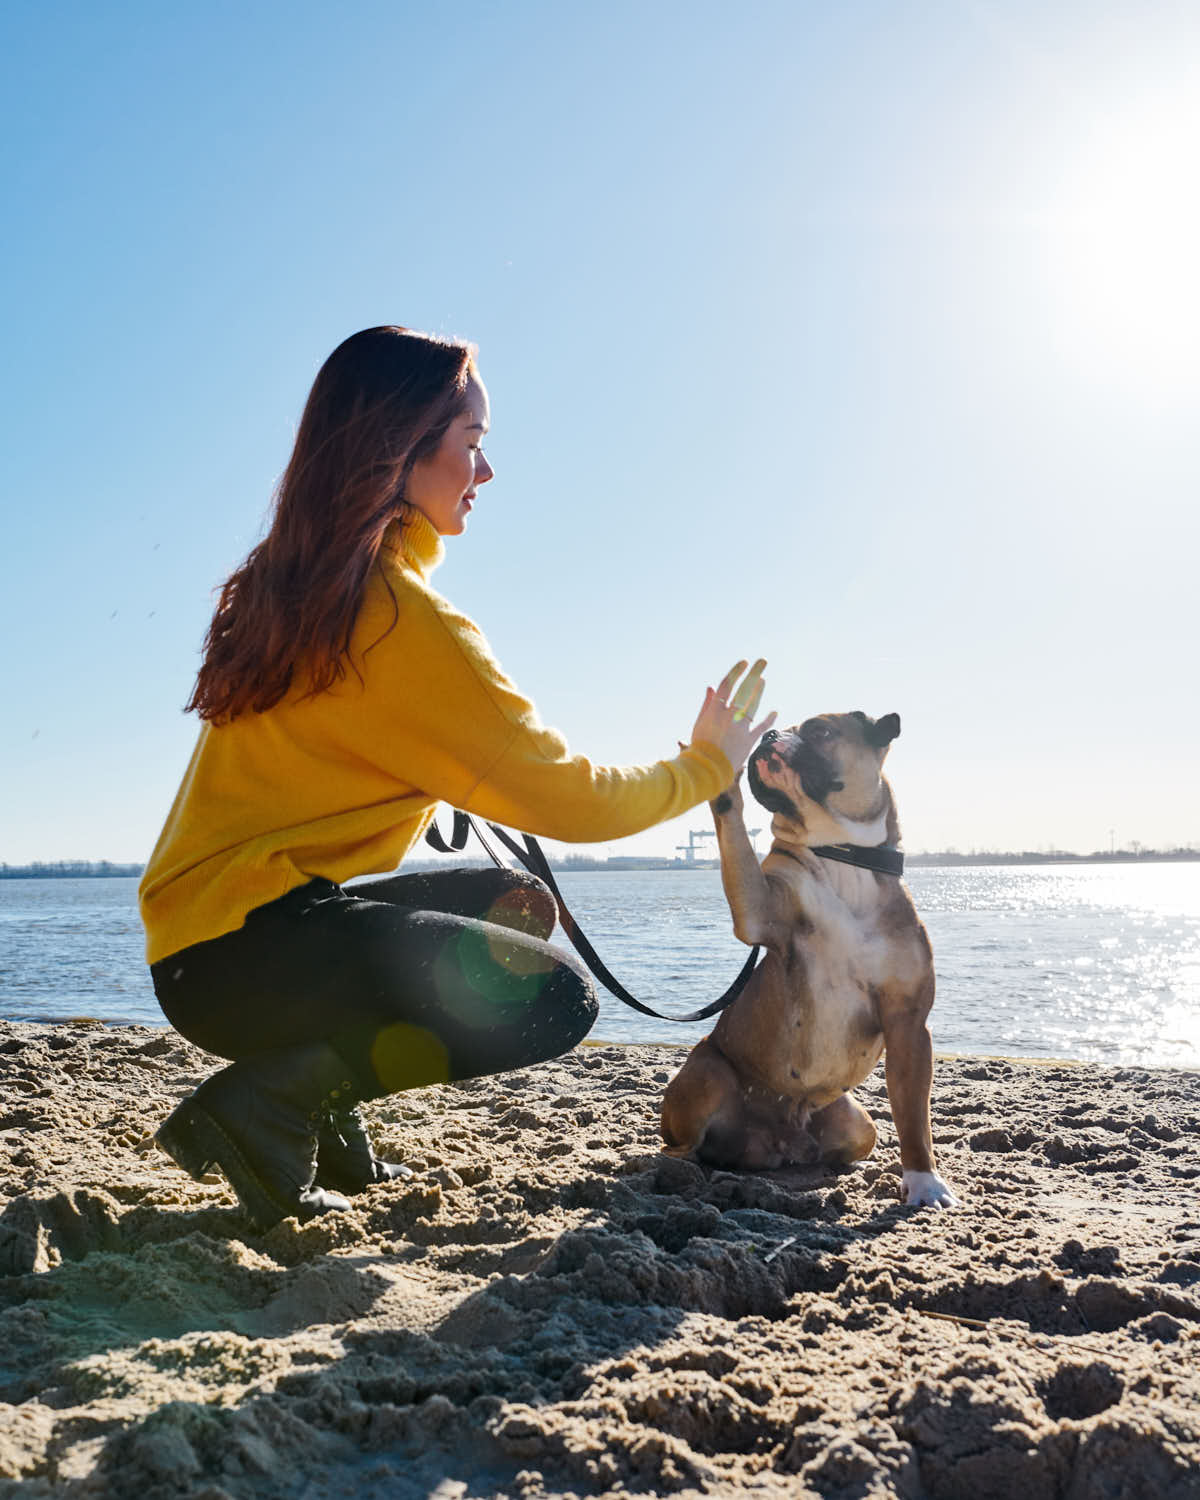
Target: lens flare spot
(520, 910)
(408, 1057)
(487, 980)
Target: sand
(552, 1308)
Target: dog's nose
(771, 734)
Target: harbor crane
(696, 837)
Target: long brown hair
(382, 400)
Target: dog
(847, 976)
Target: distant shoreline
(101, 869)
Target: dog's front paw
(730, 800)
(927, 1189)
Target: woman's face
(443, 486)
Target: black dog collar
(883, 858)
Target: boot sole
(197, 1143)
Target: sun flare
(1126, 243)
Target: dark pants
(414, 979)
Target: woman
(341, 700)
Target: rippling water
(1096, 962)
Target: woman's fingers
(745, 705)
(740, 694)
(759, 730)
(729, 710)
(750, 691)
(728, 681)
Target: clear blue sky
(865, 337)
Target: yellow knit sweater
(346, 782)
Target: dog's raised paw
(926, 1189)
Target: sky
(862, 337)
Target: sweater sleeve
(539, 787)
(459, 729)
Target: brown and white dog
(848, 972)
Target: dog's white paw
(927, 1188)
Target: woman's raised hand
(726, 717)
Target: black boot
(257, 1121)
(345, 1160)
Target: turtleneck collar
(411, 537)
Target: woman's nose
(483, 470)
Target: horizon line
(951, 855)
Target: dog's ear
(878, 732)
(886, 730)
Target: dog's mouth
(818, 780)
(769, 797)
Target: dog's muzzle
(766, 796)
(817, 777)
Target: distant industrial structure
(695, 841)
(692, 851)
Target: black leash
(530, 855)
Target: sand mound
(551, 1307)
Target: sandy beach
(553, 1308)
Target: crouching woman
(341, 699)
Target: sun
(1125, 243)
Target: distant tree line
(66, 869)
(1136, 855)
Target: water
(1095, 962)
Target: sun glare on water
(1125, 243)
